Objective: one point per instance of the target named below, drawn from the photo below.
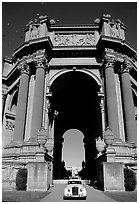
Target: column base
(113, 173)
(110, 154)
(125, 152)
(38, 176)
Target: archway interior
(73, 150)
(74, 96)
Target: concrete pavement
(93, 195)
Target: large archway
(75, 98)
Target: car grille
(74, 190)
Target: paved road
(93, 195)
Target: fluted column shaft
(128, 105)
(37, 114)
(21, 104)
(112, 110)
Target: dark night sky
(15, 15)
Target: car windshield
(74, 182)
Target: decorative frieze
(61, 40)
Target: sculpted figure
(114, 31)
(34, 32)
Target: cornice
(117, 44)
(78, 26)
(29, 47)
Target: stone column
(29, 107)
(38, 105)
(120, 108)
(21, 103)
(110, 91)
(128, 105)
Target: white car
(75, 190)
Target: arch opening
(73, 151)
(75, 98)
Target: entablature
(74, 61)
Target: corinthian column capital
(4, 90)
(125, 67)
(40, 59)
(109, 58)
(24, 68)
(40, 62)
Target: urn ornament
(49, 145)
(100, 145)
(42, 136)
(108, 136)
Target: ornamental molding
(71, 40)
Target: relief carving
(34, 30)
(9, 125)
(73, 40)
(7, 173)
(115, 29)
